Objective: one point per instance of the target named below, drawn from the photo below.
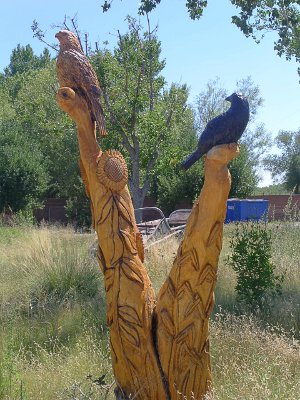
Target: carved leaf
(152, 394)
(129, 314)
(171, 287)
(109, 278)
(132, 272)
(129, 241)
(194, 303)
(183, 388)
(123, 208)
(129, 333)
(167, 322)
(106, 210)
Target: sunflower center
(114, 169)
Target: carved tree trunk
(186, 299)
(129, 293)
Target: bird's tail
(101, 124)
(99, 116)
(191, 159)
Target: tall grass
(54, 341)
(253, 363)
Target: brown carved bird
(74, 70)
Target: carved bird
(225, 128)
(74, 70)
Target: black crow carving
(225, 128)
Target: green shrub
(251, 260)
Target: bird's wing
(80, 72)
(215, 131)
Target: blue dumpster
(246, 210)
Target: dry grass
(253, 363)
(159, 259)
(52, 321)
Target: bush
(251, 260)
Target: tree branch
(114, 120)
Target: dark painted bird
(74, 70)
(225, 128)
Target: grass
(53, 336)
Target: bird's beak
(228, 98)
(57, 35)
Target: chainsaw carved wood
(169, 359)
(186, 299)
(129, 293)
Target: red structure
(54, 211)
(277, 203)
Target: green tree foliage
(254, 142)
(142, 111)
(170, 186)
(23, 174)
(286, 165)
(29, 111)
(251, 260)
(23, 59)
(244, 178)
(254, 18)
(280, 16)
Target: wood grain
(178, 365)
(186, 299)
(129, 293)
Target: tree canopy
(254, 18)
(286, 166)
(23, 59)
(142, 111)
(38, 135)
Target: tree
(254, 18)
(244, 177)
(171, 186)
(23, 174)
(29, 111)
(141, 110)
(254, 142)
(32, 112)
(23, 59)
(286, 166)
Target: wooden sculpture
(186, 299)
(168, 359)
(74, 70)
(129, 293)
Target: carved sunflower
(112, 170)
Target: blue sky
(195, 51)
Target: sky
(195, 51)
